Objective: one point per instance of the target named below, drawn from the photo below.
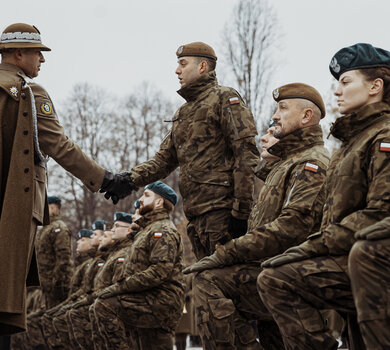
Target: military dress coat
(30, 131)
(212, 140)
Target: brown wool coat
(23, 185)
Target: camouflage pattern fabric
(152, 284)
(369, 266)
(212, 140)
(206, 230)
(53, 250)
(294, 293)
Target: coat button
(27, 189)
(25, 151)
(179, 146)
(25, 132)
(25, 114)
(92, 183)
(26, 170)
(23, 95)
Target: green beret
(358, 56)
(84, 232)
(163, 190)
(98, 225)
(137, 204)
(54, 200)
(122, 216)
(198, 49)
(300, 90)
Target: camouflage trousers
(127, 322)
(295, 293)
(205, 231)
(80, 326)
(226, 300)
(35, 336)
(57, 332)
(369, 266)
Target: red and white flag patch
(57, 230)
(158, 234)
(384, 147)
(311, 167)
(100, 264)
(121, 260)
(234, 100)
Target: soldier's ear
(376, 87)
(202, 67)
(307, 116)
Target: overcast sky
(118, 44)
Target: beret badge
(334, 65)
(276, 93)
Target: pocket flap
(221, 308)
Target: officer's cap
(98, 225)
(84, 232)
(21, 36)
(137, 204)
(198, 49)
(300, 90)
(358, 56)
(163, 190)
(122, 216)
(54, 200)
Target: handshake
(117, 186)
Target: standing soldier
(212, 140)
(288, 208)
(315, 274)
(53, 249)
(30, 133)
(147, 301)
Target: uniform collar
(265, 169)
(152, 216)
(199, 86)
(12, 68)
(54, 217)
(297, 141)
(346, 127)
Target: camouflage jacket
(290, 203)
(358, 181)
(112, 268)
(53, 249)
(77, 280)
(154, 264)
(212, 140)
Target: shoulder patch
(384, 147)
(46, 108)
(57, 230)
(100, 264)
(311, 167)
(234, 100)
(158, 234)
(121, 260)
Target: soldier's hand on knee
(380, 230)
(290, 255)
(110, 291)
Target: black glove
(237, 227)
(117, 186)
(380, 230)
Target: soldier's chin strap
(42, 158)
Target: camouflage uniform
(150, 293)
(47, 321)
(212, 140)
(108, 273)
(53, 249)
(288, 209)
(355, 198)
(369, 266)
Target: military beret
(196, 49)
(21, 36)
(300, 90)
(54, 200)
(163, 190)
(122, 216)
(84, 232)
(358, 56)
(137, 204)
(98, 225)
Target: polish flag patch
(57, 230)
(100, 264)
(121, 260)
(158, 234)
(311, 167)
(234, 100)
(384, 147)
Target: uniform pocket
(222, 311)
(39, 193)
(311, 319)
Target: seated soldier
(147, 300)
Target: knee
(357, 256)
(263, 280)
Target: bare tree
(248, 42)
